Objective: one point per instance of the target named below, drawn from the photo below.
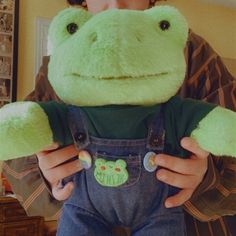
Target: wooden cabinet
(15, 222)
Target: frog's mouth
(128, 89)
(127, 77)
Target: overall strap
(77, 127)
(156, 132)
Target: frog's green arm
(24, 130)
(216, 133)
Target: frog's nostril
(93, 37)
(138, 38)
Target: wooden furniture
(15, 222)
(50, 228)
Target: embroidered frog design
(110, 173)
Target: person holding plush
(198, 159)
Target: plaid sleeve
(28, 185)
(208, 79)
(24, 174)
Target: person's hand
(186, 174)
(50, 163)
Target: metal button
(80, 137)
(154, 141)
(149, 162)
(85, 159)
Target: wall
(215, 23)
(29, 10)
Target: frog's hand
(216, 133)
(24, 130)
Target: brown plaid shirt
(206, 79)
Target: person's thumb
(62, 194)
(192, 146)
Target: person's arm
(208, 79)
(199, 173)
(26, 178)
(30, 189)
(43, 90)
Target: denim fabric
(94, 209)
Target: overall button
(154, 141)
(149, 162)
(80, 137)
(85, 159)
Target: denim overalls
(93, 209)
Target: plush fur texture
(216, 133)
(120, 58)
(24, 130)
(115, 57)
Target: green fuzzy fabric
(118, 56)
(24, 130)
(216, 133)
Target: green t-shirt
(181, 117)
(119, 122)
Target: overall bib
(93, 209)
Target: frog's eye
(65, 24)
(170, 23)
(72, 28)
(121, 164)
(164, 25)
(99, 162)
(117, 169)
(103, 168)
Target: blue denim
(93, 209)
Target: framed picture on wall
(9, 14)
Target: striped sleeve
(30, 189)
(208, 79)
(24, 174)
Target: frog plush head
(118, 56)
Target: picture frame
(9, 16)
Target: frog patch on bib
(110, 173)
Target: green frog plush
(117, 74)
